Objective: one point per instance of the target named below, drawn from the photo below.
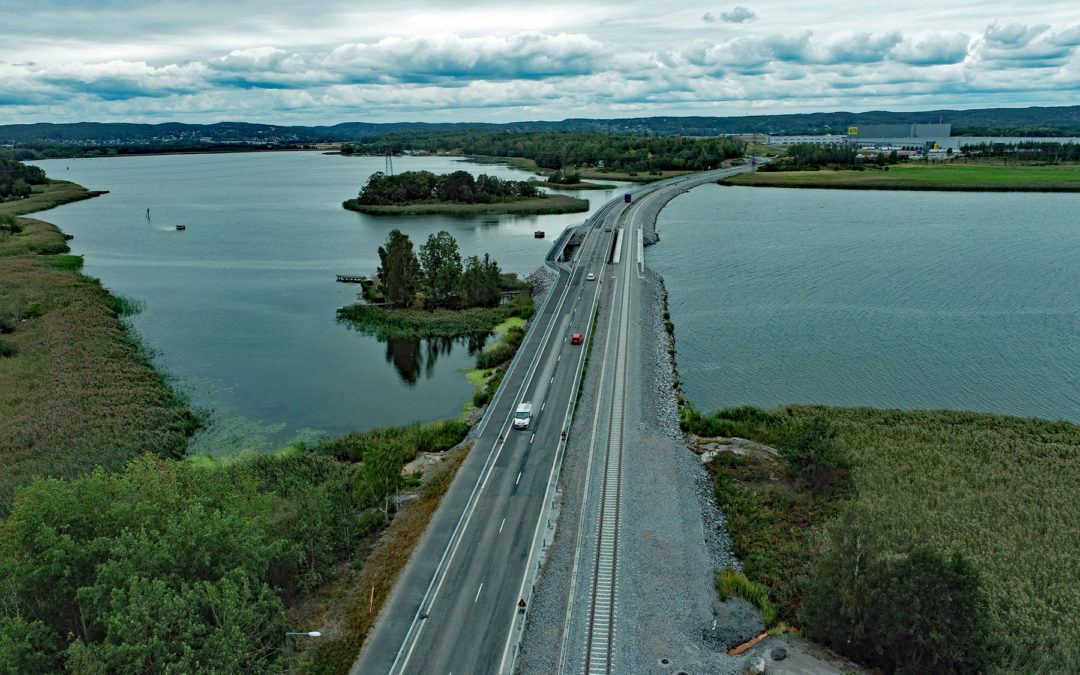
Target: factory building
(905, 136)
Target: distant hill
(1057, 121)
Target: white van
(523, 415)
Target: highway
(456, 607)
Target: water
(965, 301)
(240, 306)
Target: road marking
(542, 405)
(478, 593)
(518, 478)
(552, 379)
(501, 525)
(532, 438)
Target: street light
(288, 643)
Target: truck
(523, 415)
(626, 198)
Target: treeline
(556, 150)
(1027, 150)
(810, 156)
(459, 186)
(438, 277)
(16, 178)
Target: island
(422, 192)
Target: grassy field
(548, 205)
(923, 176)
(999, 490)
(76, 391)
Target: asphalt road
(455, 608)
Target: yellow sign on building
(853, 131)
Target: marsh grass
(78, 393)
(999, 490)
(389, 323)
(415, 438)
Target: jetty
(351, 278)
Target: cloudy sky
(327, 61)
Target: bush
(811, 454)
(921, 613)
(7, 348)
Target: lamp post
(288, 643)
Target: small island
(422, 192)
(570, 181)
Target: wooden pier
(351, 278)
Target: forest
(556, 150)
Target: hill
(1035, 121)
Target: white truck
(523, 415)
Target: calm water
(888, 299)
(240, 307)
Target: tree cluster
(556, 150)
(1027, 151)
(439, 273)
(167, 567)
(459, 186)
(16, 178)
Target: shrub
(7, 325)
(920, 613)
(810, 451)
(7, 348)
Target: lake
(239, 308)
(964, 300)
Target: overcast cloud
(285, 62)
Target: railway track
(604, 604)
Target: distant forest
(51, 140)
(623, 152)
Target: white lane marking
(542, 406)
(518, 478)
(532, 438)
(478, 593)
(501, 525)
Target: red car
(575, 339)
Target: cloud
(1013, 35)
(932, 50)
(738, 15)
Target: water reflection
(413, 356)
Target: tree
(480, 282)
(377, 480)
(903, 608)
(441, 261)
(399, 269)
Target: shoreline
(553, 204)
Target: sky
(326, 62)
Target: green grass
(36, 237)
(548, 205)
(415, 438)
(924, 176)
(729, 583)
(1000, 490)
